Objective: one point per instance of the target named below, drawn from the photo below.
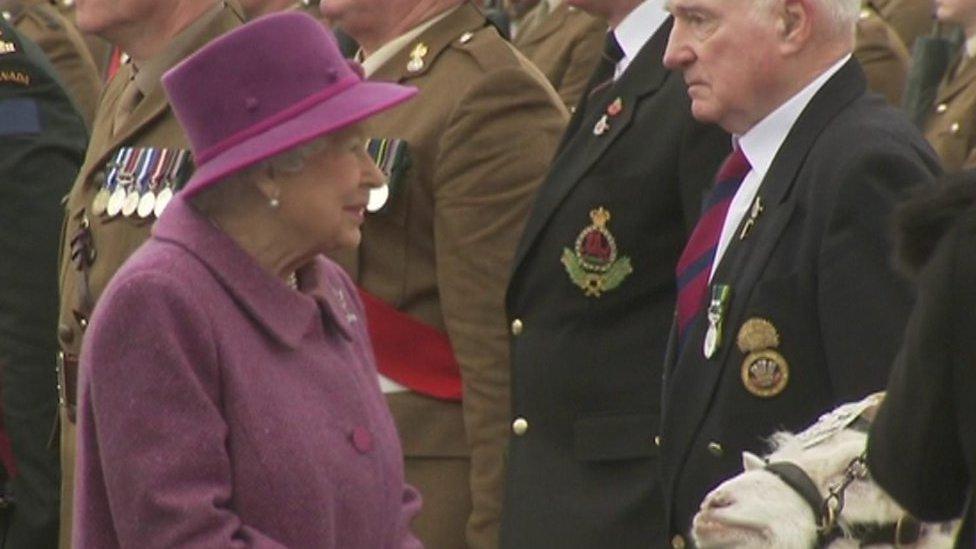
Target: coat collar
(581, 149)
(284, 314)
(436, 39)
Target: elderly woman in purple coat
(228, 395)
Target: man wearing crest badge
(788, 304)
(592, 295)
(138, 157)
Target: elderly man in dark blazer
(592, 295)
(42, 144)
(787, 302)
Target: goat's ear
(751, 461)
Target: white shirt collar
(636, 29)
(760, 145)
(971, 46)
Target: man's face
(729, 55)
(106, 17)
(958, 12)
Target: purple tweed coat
(219, 408)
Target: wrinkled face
(326, 201)
(959, 12)
(103, 17)
(754, 510)
(727, 50)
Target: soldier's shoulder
(486, 48)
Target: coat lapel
(692, 382)
(951, 86)
(583, 149)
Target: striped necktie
(695, 263)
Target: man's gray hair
(841, 15)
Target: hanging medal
(717, 306)
(134, 191)
(122, 180)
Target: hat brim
(352, 105)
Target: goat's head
(763, 507)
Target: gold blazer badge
(592, 264)
(765, 372)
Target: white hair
(840, 16)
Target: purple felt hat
(266, 87)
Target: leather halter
(827, 511)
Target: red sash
(410, 352)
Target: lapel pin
(615, 108)
(417, 57)
(601, 127)
(754, 213)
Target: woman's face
(326, 201)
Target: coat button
(520, 426)
(941, 108)
(954, 128)
(66, 334)
(362, 441)
(678, 542)
(715, 449)
(657, 440)
(517, 327)
(83, 322)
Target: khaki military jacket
(951, 126)
(151, 124)
(909, 18)
(64, 46)
(566, 46)
(481, 133)
(882, 55)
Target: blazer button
(954, 128)
(66, 334)
(678, 542)
(83, 322)
(657, 440)
(362, 441)
(520, 426)
(715, 449)
(941, 108)
(517, 327)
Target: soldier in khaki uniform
(882, 55)
(136, 147)
(434, 262)
(951, 124)
(64, 46)
(565, 43)
(100, 49)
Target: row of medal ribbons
(140, 182)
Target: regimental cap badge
(593, 264)
(417, 55)
(765, 373)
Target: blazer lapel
(584, 148)
(693, 383)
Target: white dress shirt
(760, 145)
(636, 29)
